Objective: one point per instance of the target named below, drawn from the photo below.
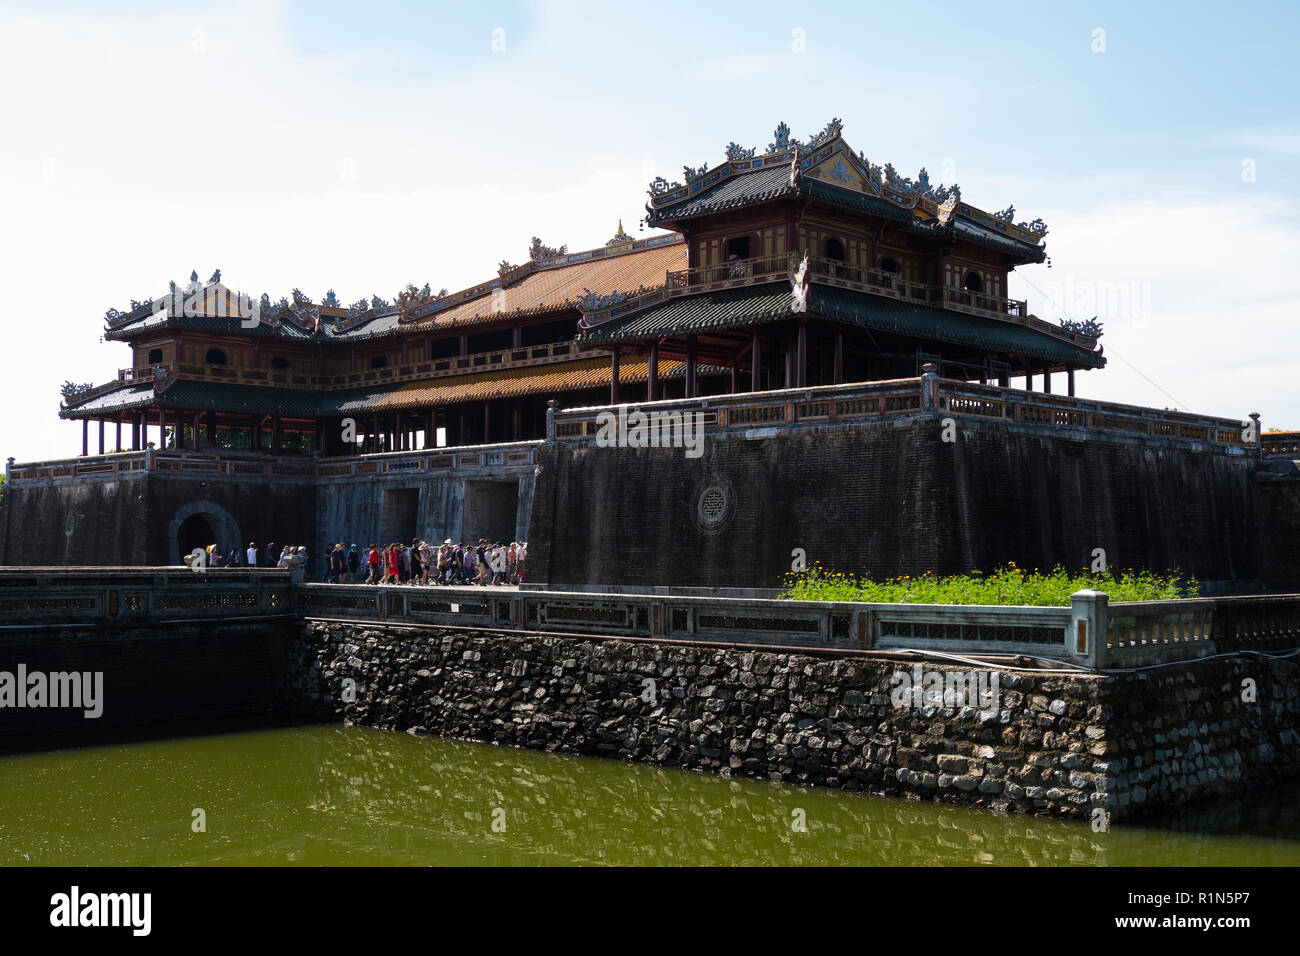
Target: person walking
(271, 555)
(338, 565)
(372, 565)
(251, 555)
(354, 564)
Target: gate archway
(197, 519)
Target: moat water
(349, 796)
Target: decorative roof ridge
(941, 202)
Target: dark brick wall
(1279, 523)
(126, 520)
(889, 499)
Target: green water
(334, 795)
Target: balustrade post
(1259, 435)
(550, 419)
(929, 387)
(1086, 639)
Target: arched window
(835, 250)
(279, 363)
(889, 265)
(215, 357)
(972, 282)
(155, 356)
(379, 361)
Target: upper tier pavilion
(803, 265)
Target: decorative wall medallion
(714, 504)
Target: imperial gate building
(801, 294)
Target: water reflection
(334, 795)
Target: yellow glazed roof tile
(554, 289)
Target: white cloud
(1196, 295)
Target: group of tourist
(421, 563)
(255, 558)
(417, 563)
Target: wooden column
(652, 381)
(85, 437)
(516, 419)
(135, 433)
(275, 434)
(487, 421)
(1047, 382)
(101, 436)
(755, 362)
(691, 365)
(614, 383)
(401, 432)
(1029, 381)
(194, 434)
(517, 337)
(735, 372)
(837, 375)
(1069, 382)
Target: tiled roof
(133, 396)
(511, 383)
(740, 190)
(984, 236)
(738, 308)
(727, 308)
(557, 289)
(554, 379)
(206, 323)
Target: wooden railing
(829, 403)
(778, 266)
(523, 356)
(1281, 444)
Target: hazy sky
(359, 147)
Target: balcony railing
(1281, 443)
(433, 368)
(881, 400)
(772, 268)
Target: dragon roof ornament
(921, 194)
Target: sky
(359, 147)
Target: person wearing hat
(271, 556)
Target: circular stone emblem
(715, 503)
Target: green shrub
(1006, 585)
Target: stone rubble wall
(1060, 744)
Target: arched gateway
(197, 520)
